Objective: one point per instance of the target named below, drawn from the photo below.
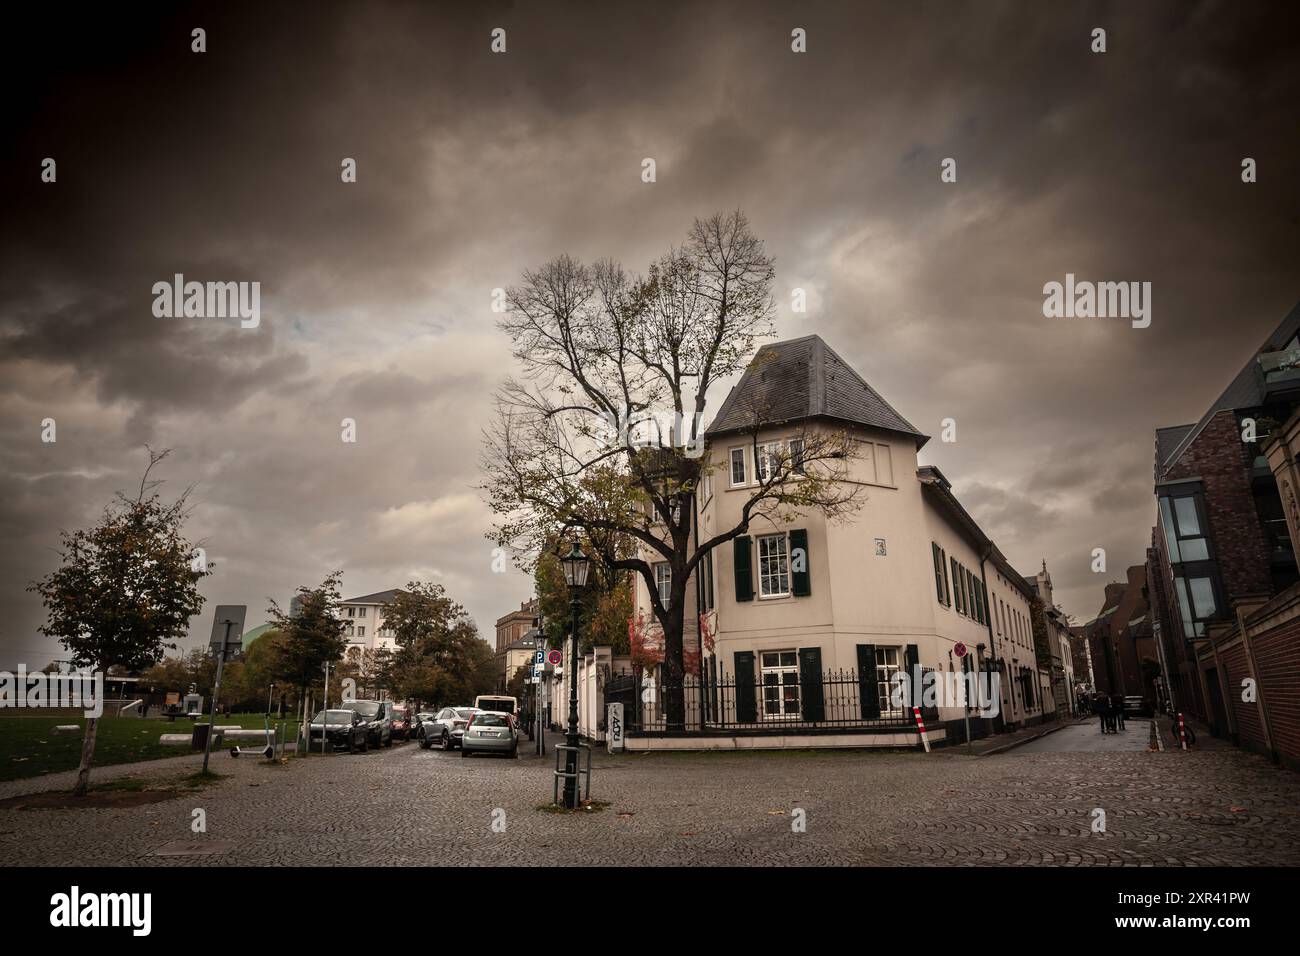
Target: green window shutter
(810, 684)
(708, 581)
(746, 697)
(868, 692)
(742, 550)
(800, 581)
(947, 589)
(938, 571)
(912, 656)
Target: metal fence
(772, 703)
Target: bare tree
(604, 436)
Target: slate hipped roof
(800, 379)
(379, 597)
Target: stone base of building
(819, 741)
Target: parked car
(499, 703)
(401, 723)
(1138, 706)
(343, 730)
(377, 717)
(490, 732)
(446, 729)
(419, 720)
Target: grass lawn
(29, 748)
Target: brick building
(1121, 639)
(1222, 561)
(513, 626)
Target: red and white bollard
(920, 725)
(1182, 731)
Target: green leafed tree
(310, 638)
(439, 653)
(125, 590)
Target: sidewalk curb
(1011, 745)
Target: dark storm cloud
(375, 296)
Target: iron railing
(782, 703)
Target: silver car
(445, 728)
(490, 732)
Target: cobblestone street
(408, 806)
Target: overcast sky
(376, 296)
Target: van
(501, 704)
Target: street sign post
(227, 617)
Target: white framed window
(886, 675)
(664, 581)
(352, 612)
(706, 488)
(361, 612)
(773, 566)
(361, 631)
(779, 672)
(796, 456)
(768, 461)
(739, 476)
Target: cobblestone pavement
(409, 806)
(1079, 737)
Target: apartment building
(365, 621)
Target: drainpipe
(1249, 646)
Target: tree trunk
(673, 669)
(87, 754)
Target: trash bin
(199, 739)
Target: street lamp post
(575, 573)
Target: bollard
(1182, 731)
(925, 739)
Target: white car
(490, 732)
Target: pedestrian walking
(1103, 712)
(1117, 705)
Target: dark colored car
(377, 717)
(446, 728)
(343, 730)
(1138, 706)
(401, 723)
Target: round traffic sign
(959, 649)
(554, 657)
